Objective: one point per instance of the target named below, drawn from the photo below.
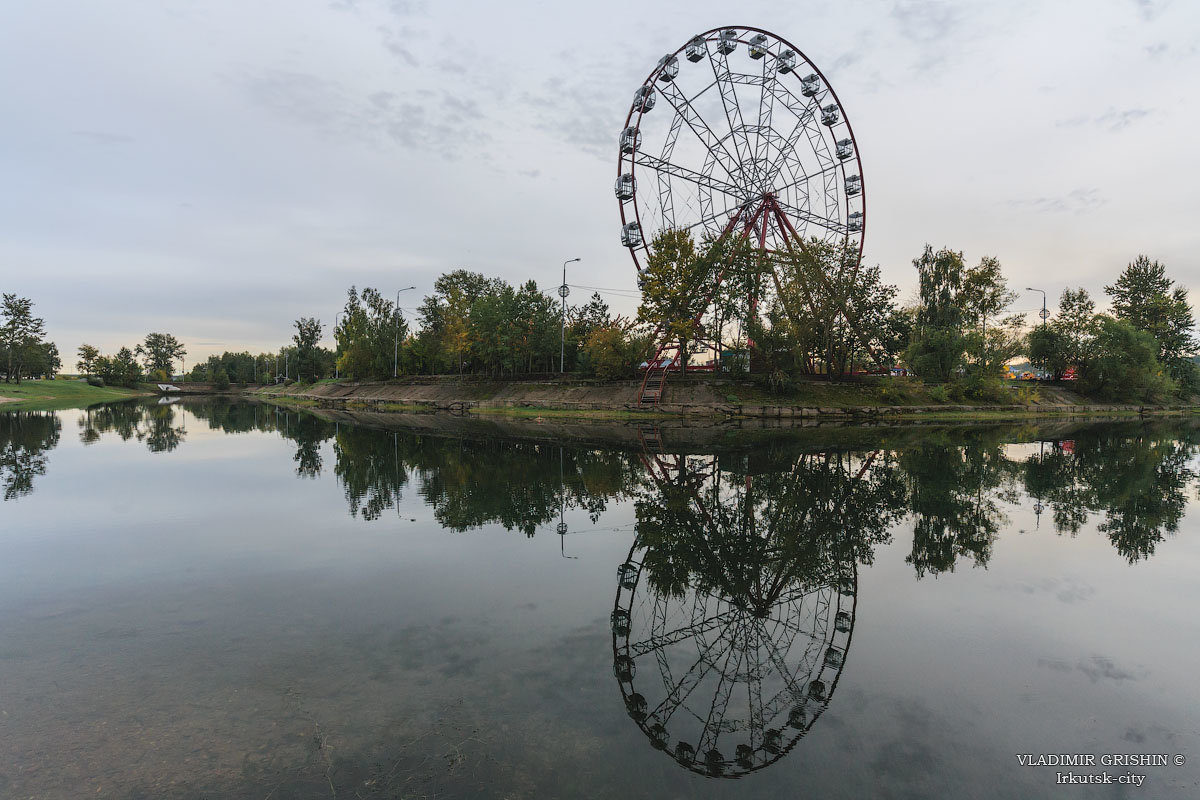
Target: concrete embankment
(703, 397)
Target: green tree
(87, 358)
(675, 287)
(1123, 365)
(936, 349)
(613, 351)
(43, 360)
(1148, 300)
(984, 295)
(1049, 348)
(120, 370)
(308, 334)
(19, 334)
(1076, 321)
(159, 351)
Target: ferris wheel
(723, 688)
(726, 665)
(737, 131)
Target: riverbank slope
(703, 396)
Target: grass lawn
(50, 395)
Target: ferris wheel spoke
(681, 690)
(809, 217)
(733, 112)
(766, 108)
(662, 641)
(691, 117)
(662, 166)
(778, 661)
(720, 703)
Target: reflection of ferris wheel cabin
(754, 142)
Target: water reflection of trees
(1137, 476)
(955, 485)
(735, 608)
(25, 439)
(471, 483)
(159, 426)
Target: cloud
(1097, 669)
(1077, 201)
(420, 119)
(1118, 120)
(1149, 9)
(1112, 120)
(926, 20)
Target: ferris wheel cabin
(758, 46)
(624, 187)
(696, 50)
(668, 68)
(854, 222)
(845, 149)
(810, 85)
(631, 235)
(643, 99)
(830, 115)
(853, 185)
(785, 62)
(728, 41)
(631, 140)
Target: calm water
(231, 601)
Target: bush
(940, 393)
(989, 389)
(1124, 365)
(95, 380)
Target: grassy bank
(713, 397)
(51, 395)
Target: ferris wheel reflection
(735, 607)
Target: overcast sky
(215, 169)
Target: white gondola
(842, 621)
(855, 221)
(668, 68)
(830, 114)
(624, 187)
(643, 99)
(696, 50)
(786, 62)
(631, 235)
(853, 185)
(631, 140)
(728, 41)
(758, 46)
(845, 149)
(810, 85)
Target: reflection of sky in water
(204, 621)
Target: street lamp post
(563, 291)
(1045, 313)
(396, 346)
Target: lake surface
(235, 601)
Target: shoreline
(694, 399)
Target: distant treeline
(811, 311)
